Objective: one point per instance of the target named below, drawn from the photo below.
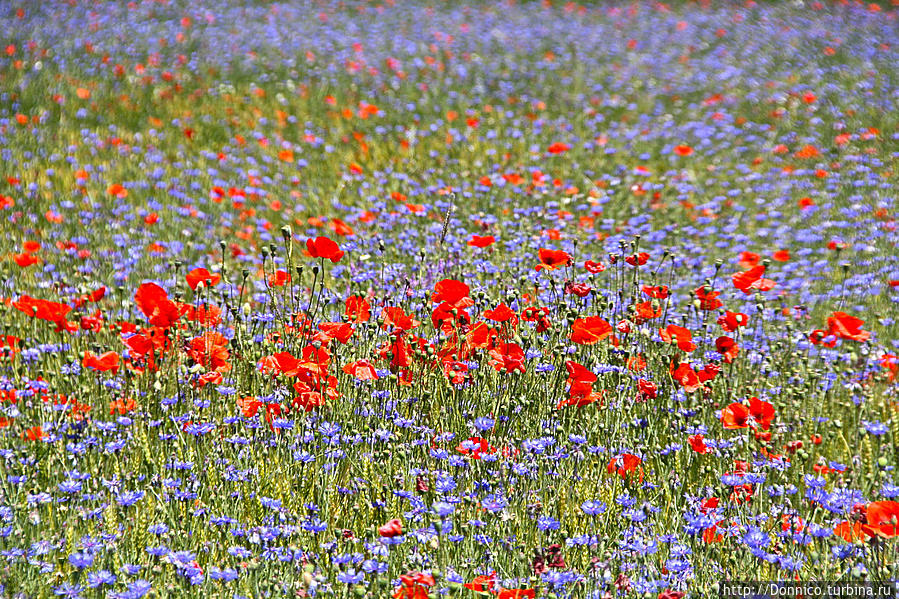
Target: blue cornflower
(547, 523)
(81, 560)
(95, 579)
(351, 577)
(484, 423)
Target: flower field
(395, 299)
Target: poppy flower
(882, 519)
(395, 317)
(210, 350)
(452, 292)
(393, 528)
(683, 150)
(578, 289)
(414, 585)
(42, 309)
(361, 370)
(727, 348)
(762, 412)
(686, 377)
(843, 326)
(201, 275)
(647, 389)
(637, 259)
(626, 464)
(731, 321)
(590, 330)
(358, 309)
(558, 148)
(102, 363)
(552, 259)
(656, 292)
(154, 302)
(322, 247)
(735, 416)
(517, 594)
(707, 298)
(279, 278)
(594, 267)
(781, 256)
(481, 242)
(851, 531)
(683, 337)
(751, 280)
(645, 311)
(475, 447)
(24, 260)
(482, 583)
(748, 260)
(341, 331)
(697, 444)
(502, 313)
(507, 357)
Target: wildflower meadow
(416, 299)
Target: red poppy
(843, 326)
(647, 389)
(552, 259)
(517, 594)
(482, 583)
(558, 148)
(751, 280)
(680, 335)
(43, 309)
(656, 292)
(590, 330)
(579, 289)
(414, 585)
(35, 433)
(210, 350)
(502, 313)
(361, 370)
(594, 267)
(507, 357)
(637, 259)
(452, 292)
(748, 260)
(481, 242)
(697, 444)
(851, 531)
(322, 247)
(279, 278)
(735, 416)
(393, 528)
(626, 464)
(686, 377)
(25, 260)
(708, 298)
(201, 275)
(683, 150)
(341, 331)
(475, 447)
(731, 321)
(781, 256)
(358, 309)
(762, 412)
(154, 302)
(644, 311)
(882, 518)
(397, 318)
(101, 363)
(727, 348)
